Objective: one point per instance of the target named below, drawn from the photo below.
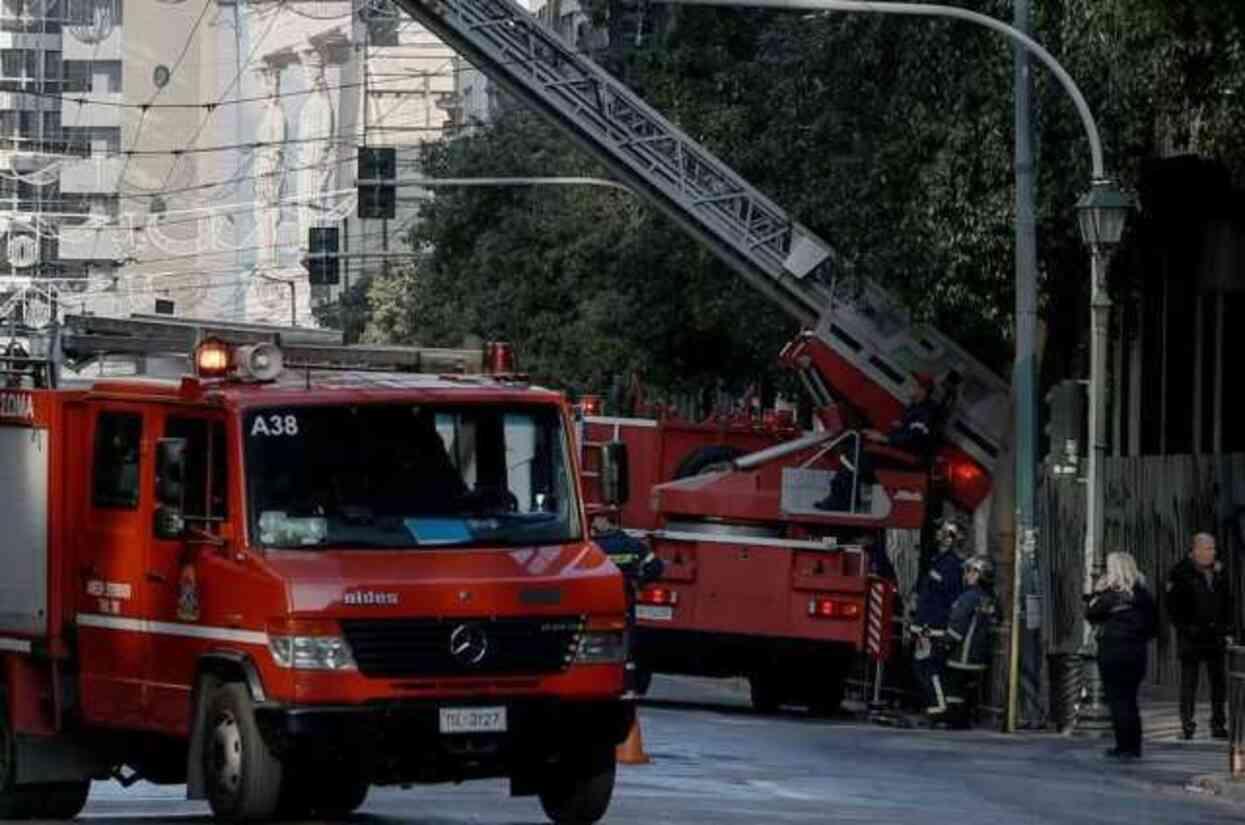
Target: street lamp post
(1102, 213)
(1104, 207)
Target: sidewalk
(1206, 759)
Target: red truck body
(758, 580)
(422, 647)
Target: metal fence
(1154, 505)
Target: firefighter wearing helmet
(936, 592)
(968, 640)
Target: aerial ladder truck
(758, 580)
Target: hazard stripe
(12, 645)
(193, 631)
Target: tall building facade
(172, 156)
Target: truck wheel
(829, 697)
(579, 789)
(767, 692)
(59, 800)
(707, 460)
(243, 776)
(643, 679)
(340, 798)
(15, 802)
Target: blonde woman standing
(1122, 611)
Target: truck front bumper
(401, 741)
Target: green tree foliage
(587, 282)
(891, 137)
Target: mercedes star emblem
(468, 644)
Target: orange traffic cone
(631, 751)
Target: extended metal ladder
(778, 256)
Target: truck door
(112, 642)
(179, 571)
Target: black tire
(578, 790)
(829, 697)
(15, 803)
(337, 798)
(59, 800)
(707, 460)
(767, 692)
(643, 679)
(243, 776)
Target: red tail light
(824, 607)
(590, 405)
(658, 595)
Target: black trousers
(1191, 661)
(1122, 672)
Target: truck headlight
(306, 645)
(598, 647)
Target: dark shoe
(1187, 732)
(1219, 733)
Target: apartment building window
(97, 76)
(52, 65)
(19, 64)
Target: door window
(118, 437)
(206, 467)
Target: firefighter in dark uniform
(936, 592)
(639, 566)
(914, 432)
(912, 436)
(968, 640)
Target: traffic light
(377, 163)
(1066, 426)
(321, 260)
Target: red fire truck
(759, 580)
(295, 571)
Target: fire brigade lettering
(274, 425)
(111, 590)
(17, 405)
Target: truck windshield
(403, 476)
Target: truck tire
(767, 692)
(579, 788)
(243, 776)
(828, 698)
(15, 803)
(339, 798)
(707, 460)
(59, 800)
(643, 679)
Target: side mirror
(170, 487)
(615, 474)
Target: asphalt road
(715, 761)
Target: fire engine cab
(280, 571)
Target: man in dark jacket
(1199, 602)
(968, 639)
(936, 592)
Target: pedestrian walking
(936, 592)
(1122, 611)
(968, 640)
(1199, 603)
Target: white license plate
(473, 720)
(654, 612)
